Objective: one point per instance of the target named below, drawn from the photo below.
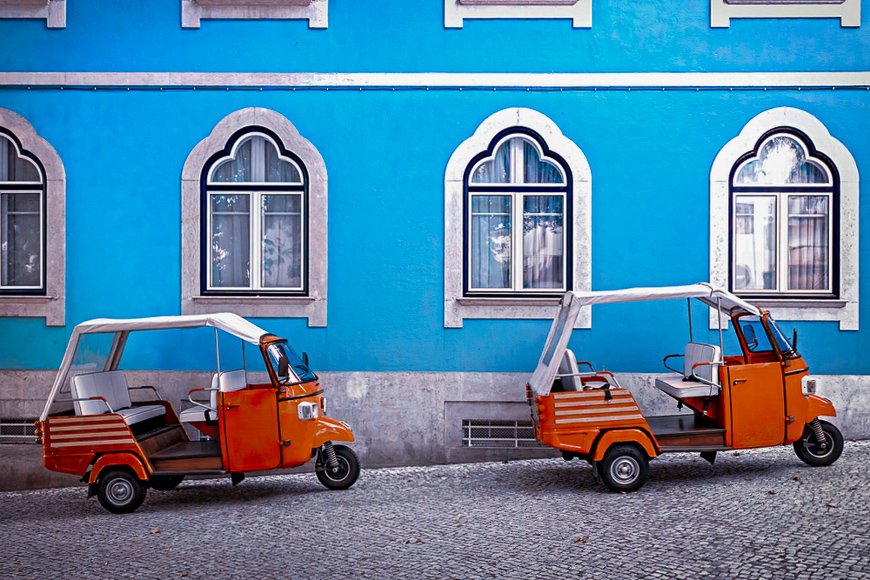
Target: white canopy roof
(226, 321)
(230, 323)
(560, 332)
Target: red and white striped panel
(591, 407)
(88, 431)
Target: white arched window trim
(458, 307)
(312, 306)
(844, 309)
(52, 305)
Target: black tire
(347, 472)
(624, 468)
(120, 491)
(811, 452)
(165, 482)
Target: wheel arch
(637, 437)
(124, 460)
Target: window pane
(279, 170)
(808, 242)
(13, 167)
(490, 241)
(754, 334)
(236, 169)
(282, 241)
(781, 161)
(754, 240)
(537, 171)
(497, 169)
(230, 241)
(20, 240)
(543, 249)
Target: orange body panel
(70, 444)
(757, 405)
(572, 421)
(116, 459)
(624, 436)
(249, 424)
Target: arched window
(255, 231)
(784, 203)
(517, 221)
(22, 220)
(516, 232)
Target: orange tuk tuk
(760, 397)
(121, 445)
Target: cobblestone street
(760, 514)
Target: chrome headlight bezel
(307, 411)
(808, 385)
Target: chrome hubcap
(625, 470)
(340, 471)
(120, 491)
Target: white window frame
(52, 11)
(578, 11)
(313, 304)
(844, 308)
(50, 305)
(316, 12)
(12, 188)
(515, 191)
(722, 11)
(457, 306)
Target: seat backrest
(213, 395)
(109, 384)
(698, 352)
(568, 366)
(233, 381)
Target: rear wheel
(120, 491)
(819, 453)
(343, 475)
(165, 482)
(624, 468)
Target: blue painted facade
(650, 153)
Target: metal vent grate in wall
(17, 431)
(492, 433)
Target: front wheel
(120, 491)
(344, 474)
(624, 468)
(819, 453)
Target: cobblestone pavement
(760, 514)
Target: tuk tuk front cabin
(762, 397)
(91, 426)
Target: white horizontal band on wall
(860, 79)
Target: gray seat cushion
(675, 386)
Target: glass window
(781, 238)
(257, 220)
(516, 237)
(754, 334)
(22, 195)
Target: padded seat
(688, 384)
(568, 371)
(223, 382)
(111, 385)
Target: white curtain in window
(543, 252)
(491, 241)
(497, 169)
(807, 242)
(230, 240)
(537, 171)
(282, 240)
(755, 243)
(20, 240)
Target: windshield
(782, 342)
(288, 366)
(754, 334)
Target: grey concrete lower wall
(403, 418)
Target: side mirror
(794, 337)
(751, 339)
(305, 358)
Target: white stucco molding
(456, 306)
(51, 306)
(844, 310)
(722, 11)
(314, 11)
(52, 11)
(578, 11)
(313, 306)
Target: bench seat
(112, 386)
(675, 386)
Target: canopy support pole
(689, 304)
(719, 320)
(217, 351)
(244, 362)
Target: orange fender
(819, 407)
(115, 460)
(624, 436)
(329, 429)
